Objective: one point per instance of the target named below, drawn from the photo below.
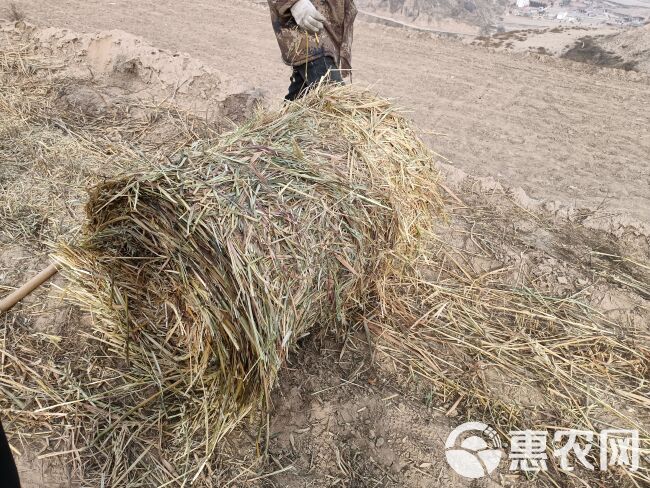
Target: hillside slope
(560, 130)
(631, 45)
(481, 13)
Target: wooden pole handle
(12, 299)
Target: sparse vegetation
(587, 50)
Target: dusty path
(558, 129)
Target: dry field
(560, 130)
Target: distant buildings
(586, 12)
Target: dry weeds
(132, 403)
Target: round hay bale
(220, 262)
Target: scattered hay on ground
(131, 399)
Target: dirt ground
(607, 46)
(560, 130)
(575, 138)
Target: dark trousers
(305, 75)
(8, 472)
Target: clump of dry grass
(226, 258)
(52, 153)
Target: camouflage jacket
(335, 39)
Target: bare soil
(606, 46)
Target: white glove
(307, 16)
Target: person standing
(314, 38)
